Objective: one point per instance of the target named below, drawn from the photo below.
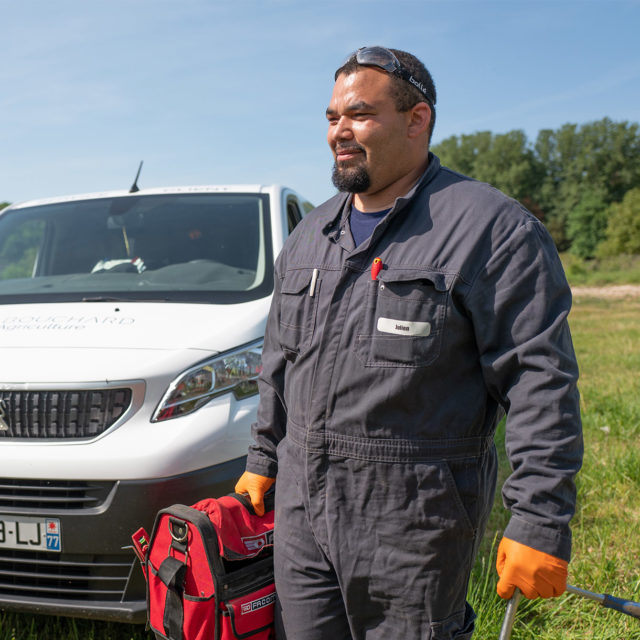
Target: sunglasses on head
(386, 60)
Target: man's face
(367, 135)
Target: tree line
(583, 181)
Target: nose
(340, 129)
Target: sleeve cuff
(553, 541)
(262, 466)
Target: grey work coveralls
(379, 400)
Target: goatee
(351, 179)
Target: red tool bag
(209, 571)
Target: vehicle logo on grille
(3, 412)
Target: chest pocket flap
(404, 318)
(298, 309)
(296, 281)
(414, 283)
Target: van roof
(230, 188)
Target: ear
(419, 119)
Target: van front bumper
(96, 574)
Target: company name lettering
(57, 323)
(258, 604)
(417, 84)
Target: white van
(131, 329)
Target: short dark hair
(404, 94)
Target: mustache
(341, 148)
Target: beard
(351, 179)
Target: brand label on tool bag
(404, 327)
(255, 543)
(257, 604)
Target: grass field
(606, 543)
(622, 269)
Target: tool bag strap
(172, 573)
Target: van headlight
(232, 372)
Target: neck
(384, 198)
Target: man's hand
(256, 486)
(535, 573)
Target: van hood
(132, 325)
(98, 342)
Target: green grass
(606, 555)
(38, 627)
(598, 272)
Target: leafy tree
(460, 154)
(504, 160)
(623, 228)
(601, 156)
(510, 165)
(552, 149)
(4, 204)
(568, 178)
(587, 221)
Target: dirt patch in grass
(610, 292)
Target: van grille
(47, 415)
(39, 575)
(52, 495)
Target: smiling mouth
(344, 154)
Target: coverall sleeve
(271, 422)
(519, 303)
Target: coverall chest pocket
(298, 307)
(403, 319)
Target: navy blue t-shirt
(363, 224)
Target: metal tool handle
(606, 600)
(610, 602)
(510, 615)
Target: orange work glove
(256, 486)
(535, 573)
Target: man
(411, 311)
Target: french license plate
(30, 534)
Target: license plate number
(30, 534)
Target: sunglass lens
(379, 57)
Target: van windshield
(196, 247)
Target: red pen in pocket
(376, 267)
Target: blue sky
(213, 91)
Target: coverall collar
(337, 228)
